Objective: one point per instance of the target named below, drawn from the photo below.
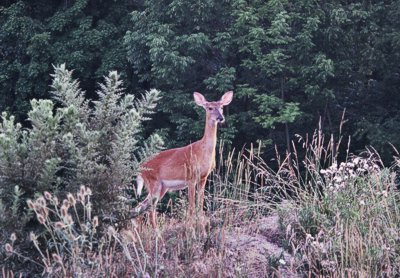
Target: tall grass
(77, 243)
(235, 187)
(73, 242)
(341, 219)
(339, 216)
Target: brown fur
(191, 164)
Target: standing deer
(176, 169)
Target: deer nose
(220, 119)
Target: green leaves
(97, 143)
(181, 47)
(279, 31)
(275, 111)
(35, 36)
(322, 56)
(222, 81)
(170, 54)
(65, 17)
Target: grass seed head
(9, 248)
(64, 211)
(41, 219)
(66, 203)
(59, 225)
(13, 237)
(71, 199)
(30, 204)
(32, 236)
(82, 190)
(47, 195)
(95, 222)
(41, 201)
(57, 258)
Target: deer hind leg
(158, 196)
(152, 188)
(142, 207)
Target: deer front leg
(191, 193)
(153, 217)
(200, 194)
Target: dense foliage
(97, 144)
(36, 34)
(293, 65)
(290, 63)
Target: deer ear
(226, 98)
(199, 99)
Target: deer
(184, 167)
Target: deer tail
(140, 182)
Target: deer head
(214, 109)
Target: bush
(73, 142)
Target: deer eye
(210, 108)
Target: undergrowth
(338, 213)
(341, 219)
(336, 219)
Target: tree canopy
(291, 64)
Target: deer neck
(209, 139)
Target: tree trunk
(287, 134)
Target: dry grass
(310, 215)
(220, 243)
(341, 219)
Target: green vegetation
(97, 144)
(289, 63)
(339, 219)
(294, 205)
(331, 220)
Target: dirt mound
(256, 250)
(211, 248)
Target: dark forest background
(291, 64)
